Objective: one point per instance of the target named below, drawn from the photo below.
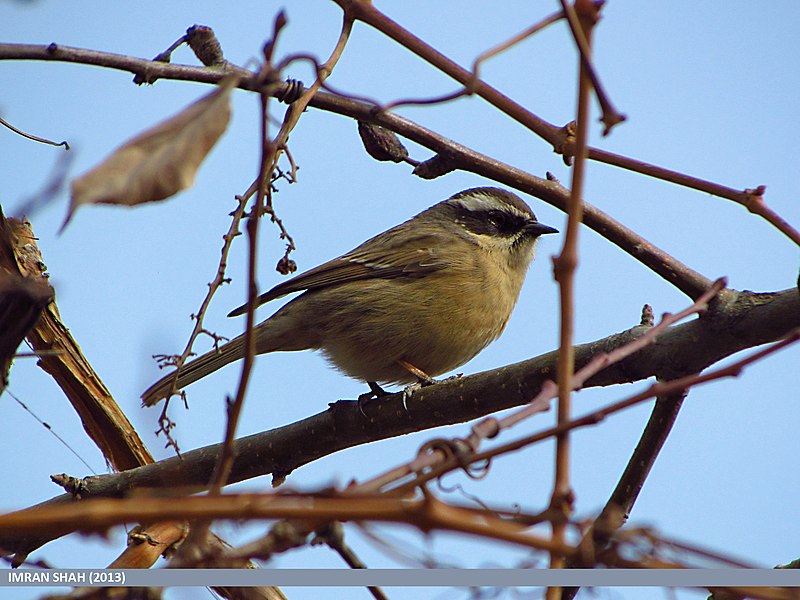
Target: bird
(414, 302)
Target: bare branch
(549, 132)
(513, 41)
(686, 279)
(634, 549)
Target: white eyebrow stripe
(479, 202)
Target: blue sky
(709, 89)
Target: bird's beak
(537, 229)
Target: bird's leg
(375, 391)
(423, 380)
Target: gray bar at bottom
(404, 577)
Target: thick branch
(735, 322)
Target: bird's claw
(409, 390)
(375, 392)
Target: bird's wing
(391, 256)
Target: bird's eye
(491, 222)
(498, 219)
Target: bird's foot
(375, 392)
(423, 380)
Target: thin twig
(195, 545)
(448, 97)
(368, 14)
(165, 424)
(35, 138)
(513, 41)
(99, 514)
(564, 267)
(754, 202)
(427, 513)
(267, 150)
(588, 14)
(749, 198)
(333, 535)
(665, 412)
(270, 153)
(469, 87)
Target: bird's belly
(436, 332)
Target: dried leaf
(159, 162)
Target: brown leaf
(159, 162)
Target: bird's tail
(195, 370)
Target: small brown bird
(418, 300)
